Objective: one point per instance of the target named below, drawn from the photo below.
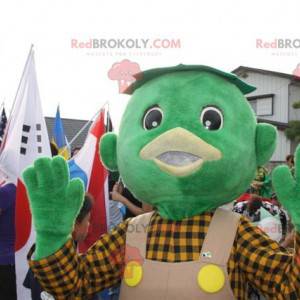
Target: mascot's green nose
(179, 152)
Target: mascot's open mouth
(178, 158)
(179, 152)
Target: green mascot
(188, 144)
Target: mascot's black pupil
(212, 119)
(152, 119)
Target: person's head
(83, 219)
(254, 204)
(290, 160)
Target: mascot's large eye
(152, 118)
(211, 118)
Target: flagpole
(107, 116)
(86, 124)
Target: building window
(262, 104)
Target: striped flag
(25, 140)
(86, 164)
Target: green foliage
(293, 131)
(296, 105)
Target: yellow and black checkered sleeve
(67, 275)
(270, 268)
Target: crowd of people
(258, 203)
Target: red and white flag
(86, 164)
(25, 140)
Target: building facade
(272, 103)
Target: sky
(224, 34)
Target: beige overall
(170, 281)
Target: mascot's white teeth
(177, 158)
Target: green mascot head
(189, 141)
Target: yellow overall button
(133, 273)
(211, 278)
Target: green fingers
(287, 189)
(47, 173)
(75, 193)
(60, 171)
(30, 179)
(55, 202)
(284, 184)
(44, 173)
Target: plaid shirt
(254, 258)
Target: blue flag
(59, 139)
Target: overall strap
(136, 235)
(219, 239)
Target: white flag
(26, 139)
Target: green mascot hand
(55, 202)
(287, 189)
